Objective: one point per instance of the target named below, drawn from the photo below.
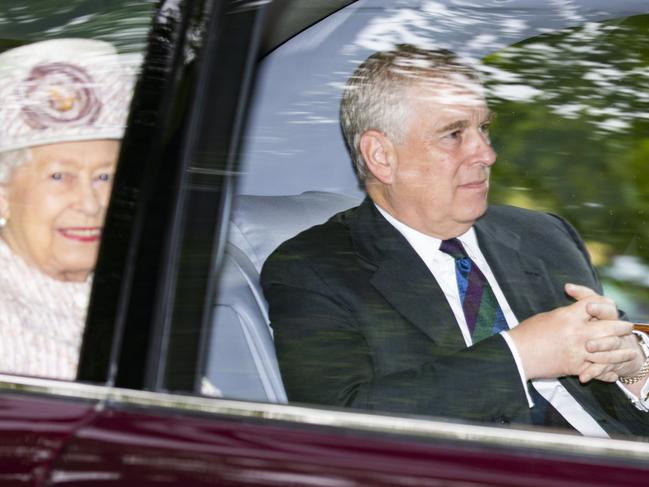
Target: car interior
(242, 363)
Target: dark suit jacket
(359, 320)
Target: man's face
(440, 179)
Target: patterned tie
(484, 317)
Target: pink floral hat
(62, 90)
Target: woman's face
(55, 206)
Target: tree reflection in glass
(573, 138)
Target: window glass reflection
(570, 111)
(572, 139)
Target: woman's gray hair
(374, 96)
(11, 159)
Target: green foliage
(124, 23)
(573, 135)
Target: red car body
(121, 437)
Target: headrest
(261, 223)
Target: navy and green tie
(484, 317)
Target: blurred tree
(124, 23)
(572, 136)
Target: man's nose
(481, 151)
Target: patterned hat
(62, 90)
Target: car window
(567, 84)
(68, 72)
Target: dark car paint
(125, 446)
(33, 431)
(96, 435)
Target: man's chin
(475, 214)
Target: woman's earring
(3, 221)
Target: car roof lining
(285, 19)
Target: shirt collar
(428, 247)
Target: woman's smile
(81, 234)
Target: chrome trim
(551, 442)
(20, 384)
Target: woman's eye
(56, 176)
(105, 177)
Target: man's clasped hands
(585, 339)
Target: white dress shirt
(442, 266)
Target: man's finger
(593, 371)
(606, 377)
(581, 293)
(607, 328)
(612, 357)
(604, 373)
(602, 310)
(578, 292)
(604, 344)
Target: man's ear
(379, 155)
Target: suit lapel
(402, 278)
(414, 293)
(522, 278)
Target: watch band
(644, 370)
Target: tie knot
(453, 247)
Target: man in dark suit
(423, 300)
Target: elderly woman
(62, 114)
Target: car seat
(241, 361)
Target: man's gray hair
(374, 96)
(11, 159)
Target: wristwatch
(644, 370)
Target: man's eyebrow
(462, 124)
(457, 125)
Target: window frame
(137, 273)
